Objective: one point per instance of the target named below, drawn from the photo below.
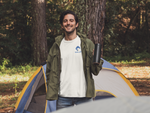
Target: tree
(15, 31)
(96, 18)
(39, 32)
(92, 19)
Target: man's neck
(70, 36)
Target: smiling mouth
(68, 27)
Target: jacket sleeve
(95, 68)
(48, 66)
(49, 61)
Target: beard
(69, 32)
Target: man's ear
(61, 26)
(76, 25)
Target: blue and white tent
(110, 82)
(32, 98)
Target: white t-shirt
(72, 78)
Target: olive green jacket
(53, 69)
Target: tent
(136, 104)
(33, 96)
(110, 82)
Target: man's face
(69, 24)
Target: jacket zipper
(83, 46)
(59, 68)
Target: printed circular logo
(78, 49)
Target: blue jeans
(64, 102)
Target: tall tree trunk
(91, 15)
(39, 32)
(96, 18)
(147, 25)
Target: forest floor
(137, 74)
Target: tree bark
(91, 15)
(39, 32)
(96, 19)
(147, 25)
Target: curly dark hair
(65, 13)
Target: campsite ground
(137, 73)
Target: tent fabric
(133, 104)
(110, 79)
(110, 82)
(25, 93)
(33, 96)
(33, 90)
(109, 66)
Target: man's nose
(68, 22)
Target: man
(69, 65)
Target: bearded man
(70, 65)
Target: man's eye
(71, 20)
(65, 21)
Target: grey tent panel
(139, 104)
(37, 106)
(37, 99)
(33, 89)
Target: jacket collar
(59, 38)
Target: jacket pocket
(52, 89)
(54, 63)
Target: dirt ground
(141, 83)
(138, 75)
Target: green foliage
(80, 10)
(15, 85)
(126, 59)
(53, 11)
(1, 102)
(5, 63)
(15, 31)
(15, 28)
(18, 69)
(126, 30)
(142, 55)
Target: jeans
(64, 102)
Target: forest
(28, 28)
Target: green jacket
(53, 69)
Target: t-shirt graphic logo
(78, 49)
